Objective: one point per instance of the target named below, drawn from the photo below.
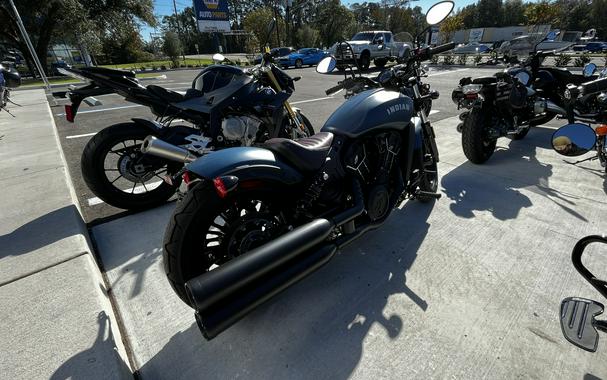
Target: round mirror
(438, 12)
(326, 65)
(218, 57)
(573, 139)
(589, 69)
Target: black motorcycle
(9, 79)
(578, 315)
(509, 103)
(127, 165)
(256, 220)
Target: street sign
(212, 15)
(476, 35)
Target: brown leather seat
(307, 154)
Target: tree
(81, 20)
(172, 47)
(306, 36)
(542, 12)
(513, 13)
(489, 13)
(333, 21)
(257, 22)
(450, 26)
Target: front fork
(426, 125)
(292, 114)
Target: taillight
(69, 113)
(220, 187)
(601, 130)
(186, 178)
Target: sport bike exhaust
(544, 105)
(226, 294)
(156, 147)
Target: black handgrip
(441, 48)
(593, 86)
(334, 90)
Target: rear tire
(477, 146)
(95, 173)
(364, 62)
(206, 230)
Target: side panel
(245, 163)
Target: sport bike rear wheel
(116, 171)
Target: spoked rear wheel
(207, 231)
(116, 171)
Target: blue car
(596, 47)
(307, 56)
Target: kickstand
(7, 111)
(585, 159)
(10, 101)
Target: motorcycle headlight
(472, 89)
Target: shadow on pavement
(316, 329)
(87, 363)
(492, 186)
(44, 230)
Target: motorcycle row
(264, 201)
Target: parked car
(306, 56)
(275, 53)
(471, 48)
(596, 47)
(55, 66)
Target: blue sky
(165, 7)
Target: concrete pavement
(56, 316)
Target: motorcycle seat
(172, 96)
(307, 154)
(484, 80)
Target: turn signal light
(220, 187)
(601, 130)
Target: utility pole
(30, 46)
(179, 29)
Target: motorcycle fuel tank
(371, 110)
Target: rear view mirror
(438, 12)
(326, 65)
(573, 139)
(589, 69)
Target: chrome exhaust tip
(159, 148)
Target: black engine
(371, 160)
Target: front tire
(112, 167)
(364, 62)
(298, 63)
(207, 231)
(477, 145)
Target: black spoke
(120, 176)
(134, 185)
(111, 170)
(145, 188)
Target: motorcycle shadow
(495, 186)
(317, 328)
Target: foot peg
(578, 322)
(428, 194)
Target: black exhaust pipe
(232, 309)
(211, 288)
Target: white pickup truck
(377, 45)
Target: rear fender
(247, 164)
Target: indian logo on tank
(211, 4)
(395, 108)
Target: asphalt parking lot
(309, 96)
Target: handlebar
(334, 90)
(441, 48)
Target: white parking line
(432, 112)
(78, 136)
(447, 72)
(311, 100)
(139, 189)
(103, 109)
